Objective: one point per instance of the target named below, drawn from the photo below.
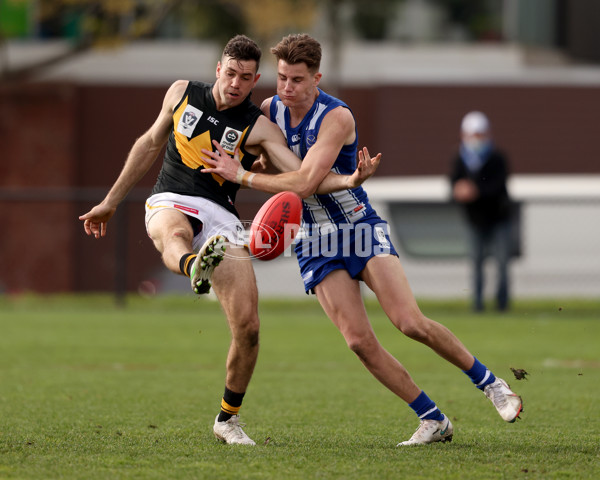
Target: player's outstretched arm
(303, 178)
(333, 182)
(141, 157)
(136, 165)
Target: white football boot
(209, 256)
(507, 402)
(231, 432)
(430, 431)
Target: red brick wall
(542, 129)
(37, 126)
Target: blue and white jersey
(323, 212)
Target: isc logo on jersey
(188, 121)
(230, 140)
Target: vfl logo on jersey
(188, 121)
(310, 140)
(230, 140)
(240, 234)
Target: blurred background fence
(73, 98)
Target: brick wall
(62, 146)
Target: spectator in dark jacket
(478, 178)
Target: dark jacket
(493, 204)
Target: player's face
(296, 85)
(235, 81)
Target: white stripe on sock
(428, 412)
(487, 375)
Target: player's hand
(366, 168)
(222, 164)
(260, 165)
(94, 222)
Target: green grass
(89, 390)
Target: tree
(88, 24)
(91, 24)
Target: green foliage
(14, 18)
(91, 390)
(481, 20)
(217, 20)
(372, 18)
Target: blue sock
(480, 375)
(425, 408)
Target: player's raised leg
(172, 234)
(235, 286)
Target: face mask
(477, 145)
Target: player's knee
(247, 333)
(413, 327)
(363, 346)
(253, 338)
(183, 233)
(249, 337)
(163, 240)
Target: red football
(275, 225)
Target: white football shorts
(214, 218)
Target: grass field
(89, 390)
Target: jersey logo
(381, 237)
(230, 140)
(188, 120)
(186, 209)
(307, 276)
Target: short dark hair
(242, 48)
(299, 48)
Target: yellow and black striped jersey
(196, 122)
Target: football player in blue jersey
(343, 241)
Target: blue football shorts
(347, 246)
